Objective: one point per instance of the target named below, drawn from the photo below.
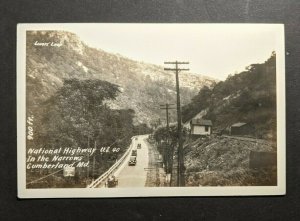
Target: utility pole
(166, 151)
(180, 168)
(167, 108)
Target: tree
(79, 108)
(200, 102)
(77, 116)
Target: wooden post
(180, 172)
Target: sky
(212, 50)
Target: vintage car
(132, 161)
(139, 146)
(134, 153)
(111, 182)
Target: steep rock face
(56, 55)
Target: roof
(239, 124)
(198, 115)
(201, 122)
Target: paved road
(135, 176)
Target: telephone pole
(167, 153)
(180, 168)
(167, 108)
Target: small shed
(200, 127)
(242, 128)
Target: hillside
(143, 86)
(224, 161)
(249, 96)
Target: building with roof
(241, 128)
(200, 127)
(187, 124)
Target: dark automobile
(139, 146)
(134, 153)
(111, 182)
(132, 161)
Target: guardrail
(104, 176)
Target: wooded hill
(249, 96)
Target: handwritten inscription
(47, 44)
(30, 128)
(44, 158)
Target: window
(206, 128)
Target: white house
(200, 127)
(187, 124)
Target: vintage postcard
(144, 110)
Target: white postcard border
(23, 192)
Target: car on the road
(139, 146)
(134, 153)
(111, 182)
(132, 161)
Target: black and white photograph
(129, 110)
